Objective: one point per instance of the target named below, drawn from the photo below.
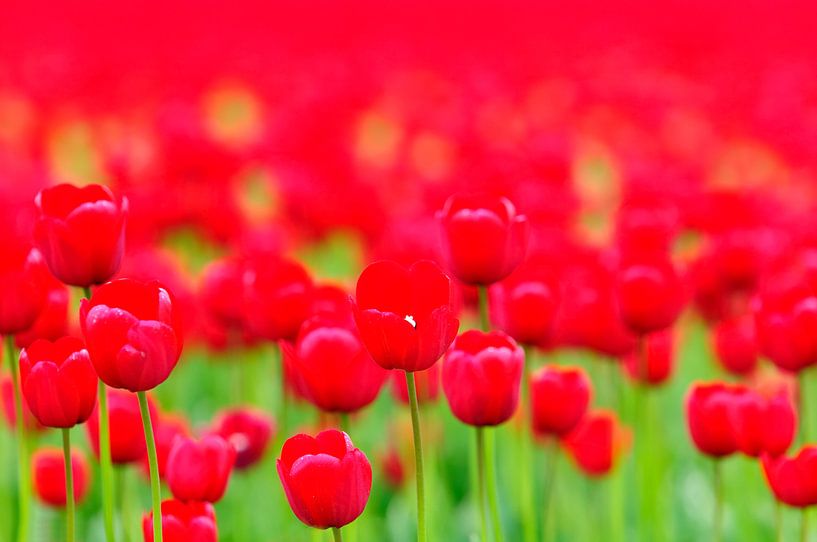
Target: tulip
(484, 238)
(559, 399)
(735, 345)
(793, 479)
(127, 434)
(710, 418)
(23, 279)
(277, 297)
(597, 442)
(786, 325)
(199, 470)
(427, 382)
(169, 427)
(7, 400)
(326, 479)
(649, 296)
(184, 522)
(81, 232)
(48, 474)
(221, 290)
(58, 382)
(133, 333)
(524, 305)
(52, 322)
(654, 364)
(764, 426)
(391, 466)
(248, 431)
(331, 367)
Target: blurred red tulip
(81, 232)
(598, 442)
(735, 345)
(248, 431)
(165, 431)
(427, 384)
(786, 326)
(52, 322)
(710, 418)
(133, 332)
(484, 238)
(48, 474)
(559, 399)
(58, 381)
(221, 291)
(392, 469)
(481, 377)
(653, 362)
(7, 397)
(764, 426)
(404, 315)
(277, 297)
(524, 305)
(184, 522)
(326, 479)
(649, 295)
(199, 470)
(23, 285)
(127, 431)
(793, 479)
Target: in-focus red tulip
(764, 426)
(331, 367)
(52, 322)
(199, 470)
(735, 345)
(481, 377)
(277, 297)
(649, 295)
(652, 363)
(23, 279)
(48, 474)
(597, 443)
(127, 431)
(524, 305)
(9, 414)
(58, 381)
(326, 479)
(184, 522)
(427, 383)
(165, 431)
(793, 479)
(710, 417)
(405, 316)
(786, 326)
(133, 332)
(222, 292)
(249, 431)
(484, 238)
(81, 232)
(559, 399)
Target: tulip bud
(48, 473)
(598, 442)
(652, 363)
(184, 522)
(524, 305)
(23, 279)
(277, 297)
(199, 470)
(248, 431)
(764, 426)
(735, 345)
(559, 399)
(710, 418)
(649, 296)
(792, 479)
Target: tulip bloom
(649, 295)
(184, 522)
(52, 322)
(133, 332)
(786, 324)
(22, 285)
(277, 297)
(248, 431)
(484, 239)
(710, 418)
(559, 399)
(524, 305)
(405, 316)
(326, 479)
(48, 474)
(166, 429)
(81, 232)
(653, 363)
(481, 377)
(222, 290)
(427, 382)
(7, 400)
(764, 426)
(127, 432)
(793, 479)
(199, 470)
(735, 345)
(58, 382)
(331, 367)
(598, 442)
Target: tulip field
(408, 271)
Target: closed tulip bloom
(793, 480)
(484, 238)
(277, 297)
(127, 432)
(48, 474)
(710, 418)
(427, 382)
(481, 377)
(653, 363)
(405, 316)
(735, 345)
(222, 290)
(597, 443)
(559, 399)
(165, 431)
(524, 305)
(22, 285)
(133, 332)
(81, 232)
(184, 522)
(326, 479)
(331, 366)
(7, 403)
(58, 382)
(248, 431)
(649, 296)
(786, 325)
(764, 426)
(52, 322)
(199, 470)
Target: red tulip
(48, 474)
(58, 382)
(786, 325)
(127, 431)
(427, 384)
(484, 238)
(22, 285)
(326, 479)
(277, 297)
(405, 316)
(649, 296)
(167, 428)
(81, 232)
(133, 333)
(710, 418)
(793, 479)
(331, 367)
(524, 305)
(52, 322)
(653, 362)
(481, 377)
(248, 431)
(184, 522)
(735, 345)
(559, 399)
(222, 290)
(199, 470)
(598, 442)
(7, 397)
(764, 426)
(391, 466)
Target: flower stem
(552, 455)
(525, 467)
(336, 534)
(778, 521)
(155, 483)
(124, 490)
(483, 513)
(105, 464)
(484, 320)
(718, 487)
(24, 492)
(493, 503)
(804, 525)
(69, 485)
(418, 457)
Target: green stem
(336, 534)
(124, 501)
(69, 485)
(344, 422)
(105, 463)
(484, 320)
(493, 503)
(804, 525)
(483, 513)
(24, 493)
(418, 457)
(155, 483)
(778, 521)
(552, 456)
(525, 467)
(718, 487)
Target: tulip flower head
(786, 325)
(559, 399)
(248, 431)
(735, 345)
(649, 295)
(764, 425)
(710, 418)
(127, 431)
(199, 470)
(653, 363)
(48, 474)
(23, 279)
(277, 297)
(184, 522)
(793, 480)
(597, 443)
(524, 305)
